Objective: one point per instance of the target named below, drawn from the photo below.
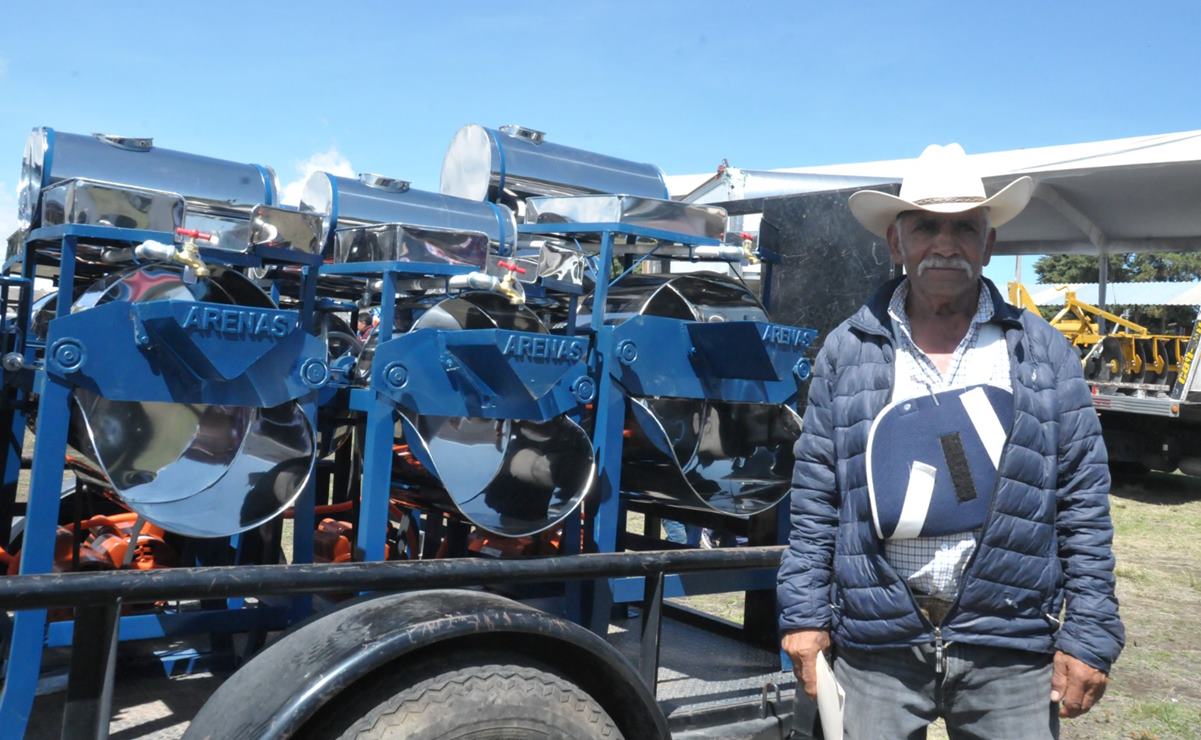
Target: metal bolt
(68, 354)
(627, 352)
(314, 373)
(584, 389)
(13, 362)
(802, 370)
(396, 375)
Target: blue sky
(383, 86)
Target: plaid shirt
(933, 566)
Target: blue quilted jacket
(1047, 537)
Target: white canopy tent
(1127, 294)
(1124, 195)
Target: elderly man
(950, 491)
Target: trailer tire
(476, 695)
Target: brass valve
(185, 253)
(188, 253)
(748, 248)
(508, 285)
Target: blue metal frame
(481, 373)
(652, 356)
(148, 352)
(181, 623)
(484, 373)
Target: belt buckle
(934, 609)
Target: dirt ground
(1155, 688)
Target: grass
(1166, 719)
(727, 606)
(1154, 689)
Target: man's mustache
(945, 263)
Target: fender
(281, 688)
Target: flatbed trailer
(691, 681)
(1143, 383)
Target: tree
(1079, 268)
(1134, 268)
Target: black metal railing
(97, 599)
(84, 589)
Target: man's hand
(1076, 684)
(803, 647)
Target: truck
(1143, 381)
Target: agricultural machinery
(1145, 383)
(212, 431)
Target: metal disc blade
(1109, 361)
(1091, 362)
(1151, 376)
(1172, 356)
(1133, 371)
(741, 462)
(269, 472)
(204, 470)
(479, 310)
(463, 453)
(158, 452)
(510, 478)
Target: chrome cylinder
(733, 458)
(372, 199)
(484, 163)
(513, 478)
(217, 192)
(200, 470)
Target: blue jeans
(984, 693)
(684, 534)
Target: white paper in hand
(830, 698)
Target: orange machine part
(483, 543)
(332, 541)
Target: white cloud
(331, 161)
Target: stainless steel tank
(373, 199)
(79, 201)
(419, 244)
(733, 458)
(513, 478)
(195, 469)
(483, 163)
(218, 193)
(703, 221)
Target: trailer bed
(706, 679)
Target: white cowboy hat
(943, 181)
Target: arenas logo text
(785, 335)
(239, 322)
(541, 347)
